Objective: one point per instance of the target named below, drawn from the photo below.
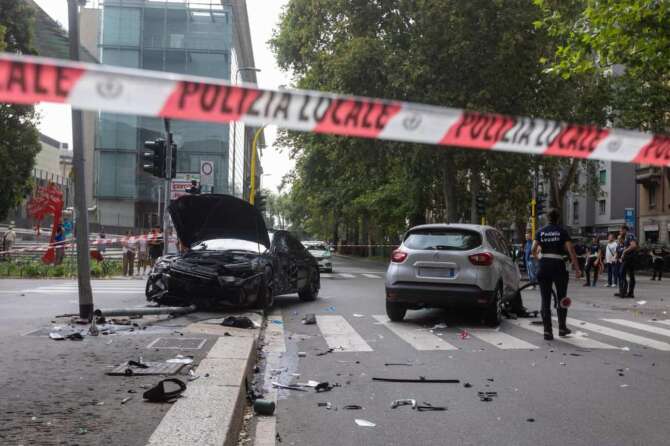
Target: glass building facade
(188, 37)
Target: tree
(19, 138)
(626, 41)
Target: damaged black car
(229, 258)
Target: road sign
(207, 173)
(629, 217)
(178, 188)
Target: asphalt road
(608, 386)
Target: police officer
(551, 244)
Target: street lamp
(237, 73)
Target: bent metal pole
(78, 165)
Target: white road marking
(346, 276)
(577, 338)
(628, 337)
(500, 340)
(327, 275)
(639, 326)
(372, 276)
(414, 335)
(340, 335)
(666, 322)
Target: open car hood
(203, 217)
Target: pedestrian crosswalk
(344, 335)
(374, 275)
(98, 287)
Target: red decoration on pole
(47, 201)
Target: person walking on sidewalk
(129, 248)
(529, 260)
(8, 240)
(593, 262)
(59, 245)
(657, 263)
(628, 264)
(611, 262)
(142, 254)
(551, 244)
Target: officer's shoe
(563, 332)
(548, 336)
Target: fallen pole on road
(146, 311)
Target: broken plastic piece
(420, 380)
(397, 363)
(330, 350)
(76, 336)
(139, 364)
(325, 387)
(440, 326)
(56, 336)
(302, 354)
(467, 385)
(425, 407)
(238, 322)
(126, 399)
(309, 319)
(284, 386)
(181, 360)
(352, 407)
(364, 423)
(404, 402)
(464, 335)
(158, 394)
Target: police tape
(29, 80)
(93, 242)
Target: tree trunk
(475, 187)
(449, 188)
(559, 187)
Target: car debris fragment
(158, 394)
(403, 402)
(284, 386)
(364, 423)
(264, 407)
(238, 322)
(421, 379)
(309, 319)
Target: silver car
(321, 252)
(452, 265)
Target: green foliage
(625, 40)
(19, 138)
(481, 54)
(36, 269)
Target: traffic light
(153, 157)
(541, 203)
(481, 204)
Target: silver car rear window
(443, 239)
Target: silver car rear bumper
(419, 294)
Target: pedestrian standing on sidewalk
(611, 262)
(580, 251)
(593, 262)
(8, 240)
(551, 244)
(529, 260)
(155, 245)
(59, 245)
(628, 264)
(657, 262)
(142, 254)
(129, 248)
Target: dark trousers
(591, 267)
(658, 270)
(552, 273)
(627, 285)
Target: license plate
(447, 273)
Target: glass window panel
(121, 26)
(175, 61)
(117, 131)
(154, 25)
(211, 65)
(152, 60)
(121, 58)
(116, 175)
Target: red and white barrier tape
(29, 80)
(68, 243)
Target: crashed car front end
(205, 277)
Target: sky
(263, 18)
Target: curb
(211, 410)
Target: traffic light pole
(168, 176)
(533, 204)
(78, 165)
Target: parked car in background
(452, 266)
(230, 258)
(322, 253)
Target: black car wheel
(311, 290)
(493, 314)
(265, 297)
(395, 311)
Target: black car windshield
(443, 239)
(227, 244)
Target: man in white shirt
(611, 262)
(8, 239)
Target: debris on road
(302, 354)
(56, 336)
(387, 364)
(325, 387)
(284, 386)
(181, 359)
(641, 302)
(421, 379)
(309, 319)
(264, 407)
(330, 309)
(487, 396)
(530, 420)
(426, 407)
(352, 407)
(464, 335)
(158, 394)
(403, 402)
(364, 423)
(126, 399)
(440, 326)
(238, 322)
(327, 405)
(330, 350)
(358, 315)
(76, 336)
(467, 385)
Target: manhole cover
(154, 368)
(178, 343)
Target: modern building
(197, 37)
(601, 212)
(654, 199)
